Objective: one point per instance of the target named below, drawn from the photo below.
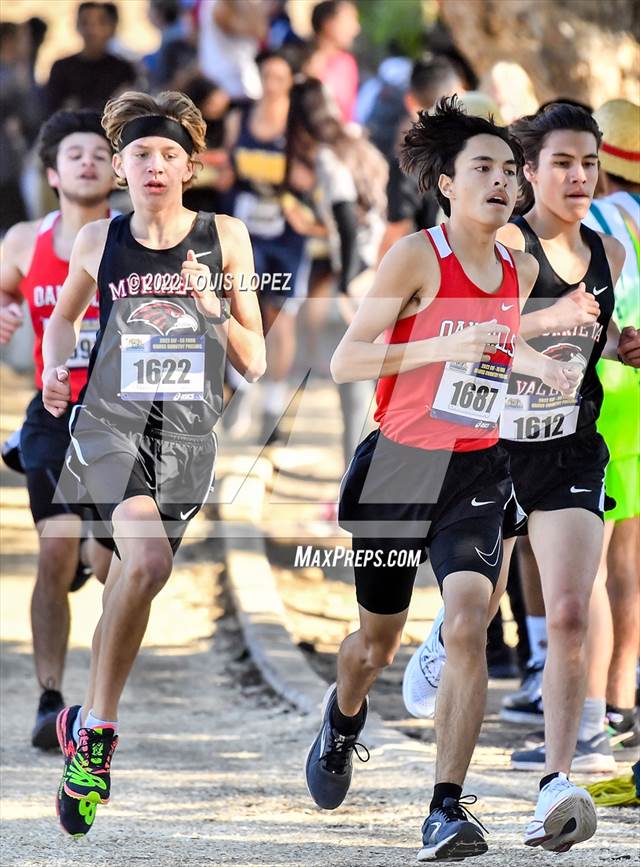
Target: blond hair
(171, 103)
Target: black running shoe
(88, 774)
(83, 572)
(330, 760)
(12, 453)
(76, 816)
(448, 835)
(43, 735)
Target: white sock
(92, 722)
(537, 632)
(275, 394)
(592, 719)
(77, 726)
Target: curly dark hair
(59, 126)
(434, 141)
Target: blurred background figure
(256, 139)
(511, 88)
(432, 77)
(336, 25)
(19, 114)
(230, 33)
(210, 188)
(350, 177)
(177, 51)
(281, 30)
(91, 77)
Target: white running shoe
(423, 672)
(565, 815)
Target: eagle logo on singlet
(164, 316)
(566, 352)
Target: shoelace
(459, 809)
(87, 739)
(336, 756)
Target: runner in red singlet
(77, 157)
(433, 475)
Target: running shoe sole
(594, 764)
(465, 843)
(414, 669)
(571, 820)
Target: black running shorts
(567, 475)
(43, 441)
(111, 466)
(397, 498)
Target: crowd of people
(506, 365)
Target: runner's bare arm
(526, 359)
(17, 248)
(244, 335)
(75, 296)
(408, 274)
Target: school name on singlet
(451, 326)
(47, 296)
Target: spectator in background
(510, 87)
(208, 190)
(19, 117)
(431, 78)
(351, 178)
(88, 79)
(176, 51)
(380, 104)
(230, 33)
(256, 136)
(335, 26)
(281, 31)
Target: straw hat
(619, 121)
(479, 104)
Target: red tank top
(40, 288)
(454, 405)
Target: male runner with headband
(433, 474)
(557, 458)
(76, 155)
(142, 444)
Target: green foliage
(400, 21)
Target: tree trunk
(583, 49)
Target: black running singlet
(157, 362)
(533, 412)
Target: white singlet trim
(47, 221)
(506, 255)
(439, 239)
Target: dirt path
(209, 771)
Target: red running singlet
(452, 405)
(40, 288)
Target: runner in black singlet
(142, 443)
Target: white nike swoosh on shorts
(186, 515)
(496, 551)
(579, 490)
(474, 502)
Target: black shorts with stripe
(44, 440)
(108, 466)
(565, 474)
(399, 498)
